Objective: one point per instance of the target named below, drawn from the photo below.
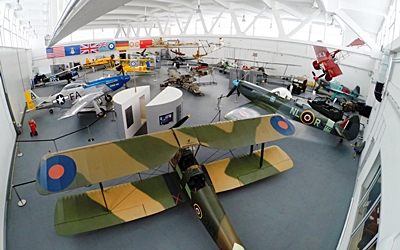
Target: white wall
(16, 67)
(382, 136)
(164, 103)
(7, 138)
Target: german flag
(122, 45)
(145, 43)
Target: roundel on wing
(133, 63)
(56, 173)
(307, 117)
(111, 46)
(282, 125)
(198, 211)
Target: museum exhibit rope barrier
(22, 202)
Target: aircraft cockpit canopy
(74, 85)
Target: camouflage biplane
(190, 182)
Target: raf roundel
(56, 173)
(307, 117)
(198, 211)
(111, 46)
(282, 125)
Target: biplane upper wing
(236, 134)
(322, 54)
(82, 166)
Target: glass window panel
(367, 230)
(265, 27)
(7, 38)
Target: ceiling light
(243, 20)
(314, 5)
(18, 7)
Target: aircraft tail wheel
(108, 98)
(51, 111)
(316, 65)
(102, 113)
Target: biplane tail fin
(350, 128)
(88, 61)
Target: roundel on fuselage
(307, 117)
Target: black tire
(31, 134)
(36, 133)
(108, 98)
(102, 113)
(51, 111)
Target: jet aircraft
(76, 96)
(190, 182)
(264, 102)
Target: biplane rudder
(350, 127)
(357, 90)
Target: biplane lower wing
(126, 202)
(239, 171)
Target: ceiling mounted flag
(59, 51)
(106, 46)
(89, 48)
(135, 44)
(49, 52)
(72, 50)
(122, 45)
(145, 43)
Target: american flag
(59, 51)
(50, 52)
(89, 48)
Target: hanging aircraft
(190, 182)
(177, 52)
(327, 61)
(101, 61)
(336, 88)
(76, 96)
(264, 102)
(134, 65)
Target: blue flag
(106, 46)
(72, 50)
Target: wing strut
(102, 193)
(251, 149)
(262, 154)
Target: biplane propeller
(190, 182)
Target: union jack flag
(103, 44)
(89, 48)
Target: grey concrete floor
(302, 208)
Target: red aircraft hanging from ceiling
(327, 61)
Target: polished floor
(302, 208)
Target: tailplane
(356, 90)
(88, 61)
(350, 128)
(33, 100)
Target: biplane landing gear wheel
(51, 111)
(341, 140)
(328, 77)
(102, 113)
(108, 98)
(316, 65)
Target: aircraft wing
(81, 103)
(235, 134)
(239, 171)
(248, 110)
(322, 54)
(85, 212)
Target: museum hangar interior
(339, 193)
